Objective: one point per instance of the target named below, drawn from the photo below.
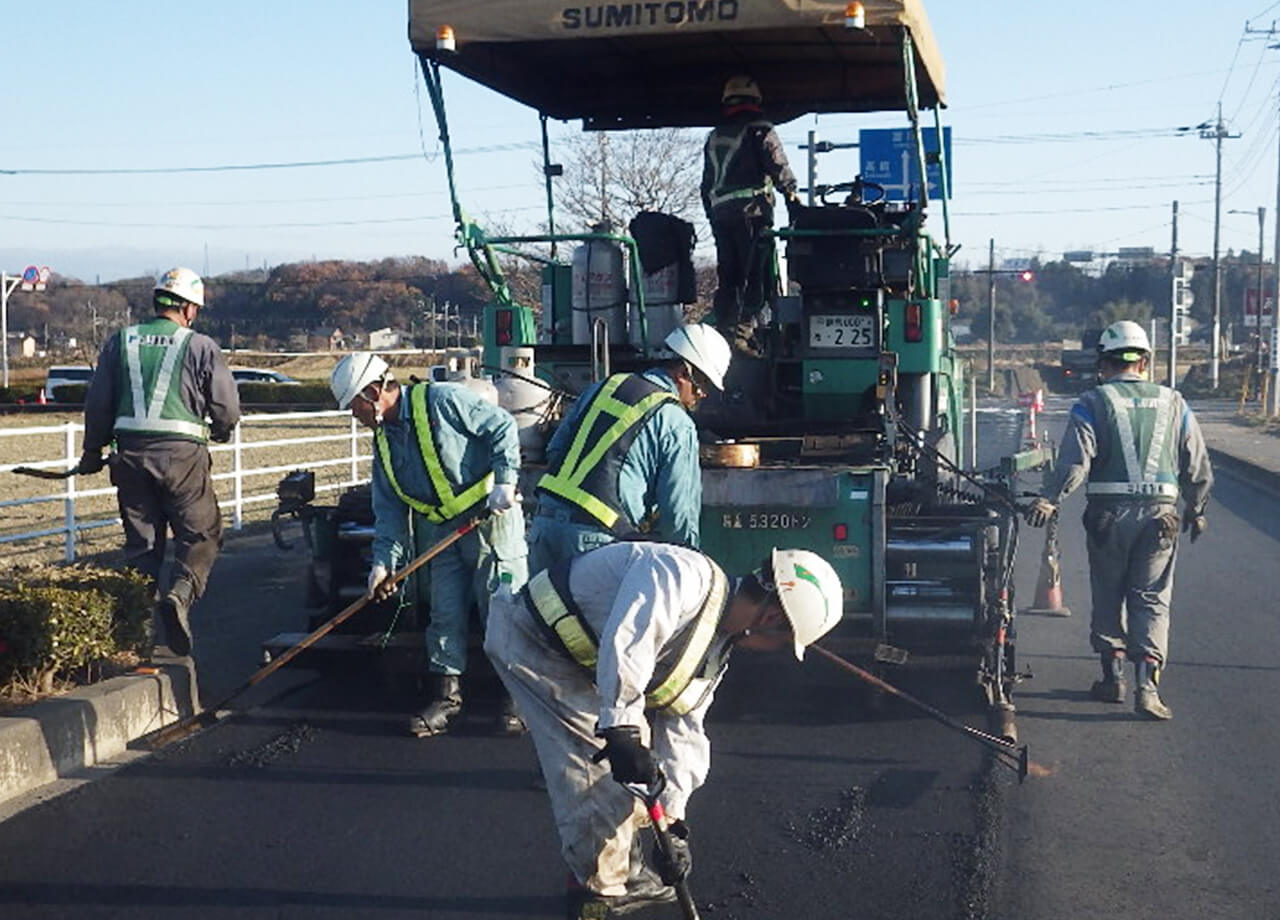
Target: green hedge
(305, 393)
(70, 393)
(56, 619)
(26, 393)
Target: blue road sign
(888, 158)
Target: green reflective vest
(679, 687)
(731, 161)
(1143, 460)
(150, 400)
(587, 476)
(451, 503)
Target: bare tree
(614, 177)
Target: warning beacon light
(855, 16)
(1028, 275)
(445, 40)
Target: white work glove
(1040, 511)
(503, 498)
(377, 589)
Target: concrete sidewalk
(255, 592)
(1238, 450)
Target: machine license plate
(842, 331)
(765, 520)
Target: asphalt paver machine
(845, 437)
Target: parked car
(258, 375)
(61, 375)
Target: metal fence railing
(337, 455)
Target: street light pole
(1217, 135)
(1262, 216)
(991, 318)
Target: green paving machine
(846, 436)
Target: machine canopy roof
(662, 63)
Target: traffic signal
(1027, 275)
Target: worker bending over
(625, 459)
(1139, 447)
(442, 455)
(624, 646)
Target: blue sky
(1044, 102)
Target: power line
(293, 224)
(244, 167)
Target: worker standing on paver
(742, 162)
(1139, 447)
(161, 391)
(442, 454)
(625, 459)
(625, 645)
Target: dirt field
(42, 445)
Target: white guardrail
(237, 447)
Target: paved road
(314, 804)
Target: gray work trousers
(1132, 550)
(164, 485)
(595, 816)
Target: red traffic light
(1028, 275)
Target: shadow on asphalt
(1242, 500)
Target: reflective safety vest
(725, 152)
(587, 477)
(681, 681)
(1143, 461)
(451, 504)
(150, 400)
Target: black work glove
(220, 434)
(675, 868)
(91, 461)
(629, 759)
(1197, 524)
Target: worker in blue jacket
(625, 459)
(442, 453)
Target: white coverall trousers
(595, 816)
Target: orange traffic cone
(41, 399)
(1048, 600)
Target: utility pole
(813, 163)
(1262, 217)
(1218, 134)
(991, 317)
(1174, 290)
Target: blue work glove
(674, 868)
(629, 760)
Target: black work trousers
(163, 485)
(740, 267)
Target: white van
(60, 375)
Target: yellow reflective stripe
(551, 607)
(668, 693)
(451, 505)
(574, 470)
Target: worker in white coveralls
(1137, 447)
(615, 655)
(441, 455)
(625, 459)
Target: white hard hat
(1124, 337)
(184, 283)
(741, 87)
(353, 373)
(703, 347)
(810, 593)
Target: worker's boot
(509, 722)
(1111, 689)
(644, 885)
(173, 612)
(585, 904)
(1147, 700)
(445, 704)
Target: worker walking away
(625, 459)
(442, 455)
(615, 656)
(1138, 448)
(161, 391)
(743, 161)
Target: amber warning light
(855, 16)
(444, 39)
